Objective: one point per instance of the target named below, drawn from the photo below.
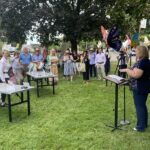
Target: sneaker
(135, 129)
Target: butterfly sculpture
(113, 40)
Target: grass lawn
(73, 119)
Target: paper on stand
(116, 77)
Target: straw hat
(91, 49)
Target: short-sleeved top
(37, 58)
(25, 59)
(142, 84)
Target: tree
(16, 19)
(76, 19)
(128, 14)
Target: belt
(100, 62)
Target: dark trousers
(141, 110)
(92, 69)
(86, 73)
(3, 96)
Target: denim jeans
(141, 110)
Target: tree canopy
(16, 19)
(128, 14)
(75, 19)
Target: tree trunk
(74, 45)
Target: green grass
(73, 119)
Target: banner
(143, 23)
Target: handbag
(82, 67)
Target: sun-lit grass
(73, 119)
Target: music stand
(124, 121)
(117, 81)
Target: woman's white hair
(25, 46)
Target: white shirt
(100, 58)
(4, 66)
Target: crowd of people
(91, 63)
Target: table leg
(22, 97)
(47, 80)
(124, 121)
(53, 85)
(41, 83)
(28, 102)
(106, 82)
(9, 108)
(116, 107)
(37, 85)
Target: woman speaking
(140, 85)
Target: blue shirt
(37, 58)
(92, 57)
(25, 59)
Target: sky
(34, 41)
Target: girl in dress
(17, 69)
(52, 60)
(68, 66)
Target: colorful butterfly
(112, 39)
